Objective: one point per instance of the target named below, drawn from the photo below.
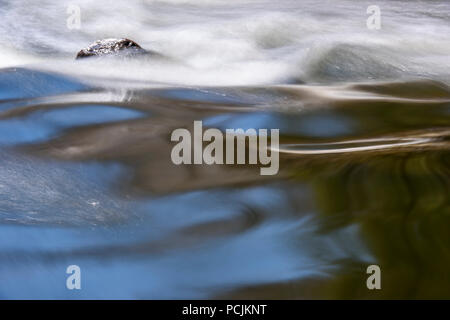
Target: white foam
(244, 42)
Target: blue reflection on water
(40, 126)
(149, 255)
(19, 83)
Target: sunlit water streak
(348, 146)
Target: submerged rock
(112, 47)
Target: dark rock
(112, 47)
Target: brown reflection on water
(401, 204)
(144, 145)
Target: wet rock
(112, 47)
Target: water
(86, 176)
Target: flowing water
(85, 171)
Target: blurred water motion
(86, 176)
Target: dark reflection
(86, 178)
(400, 203)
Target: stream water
(86, 176)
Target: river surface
(86, 176)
